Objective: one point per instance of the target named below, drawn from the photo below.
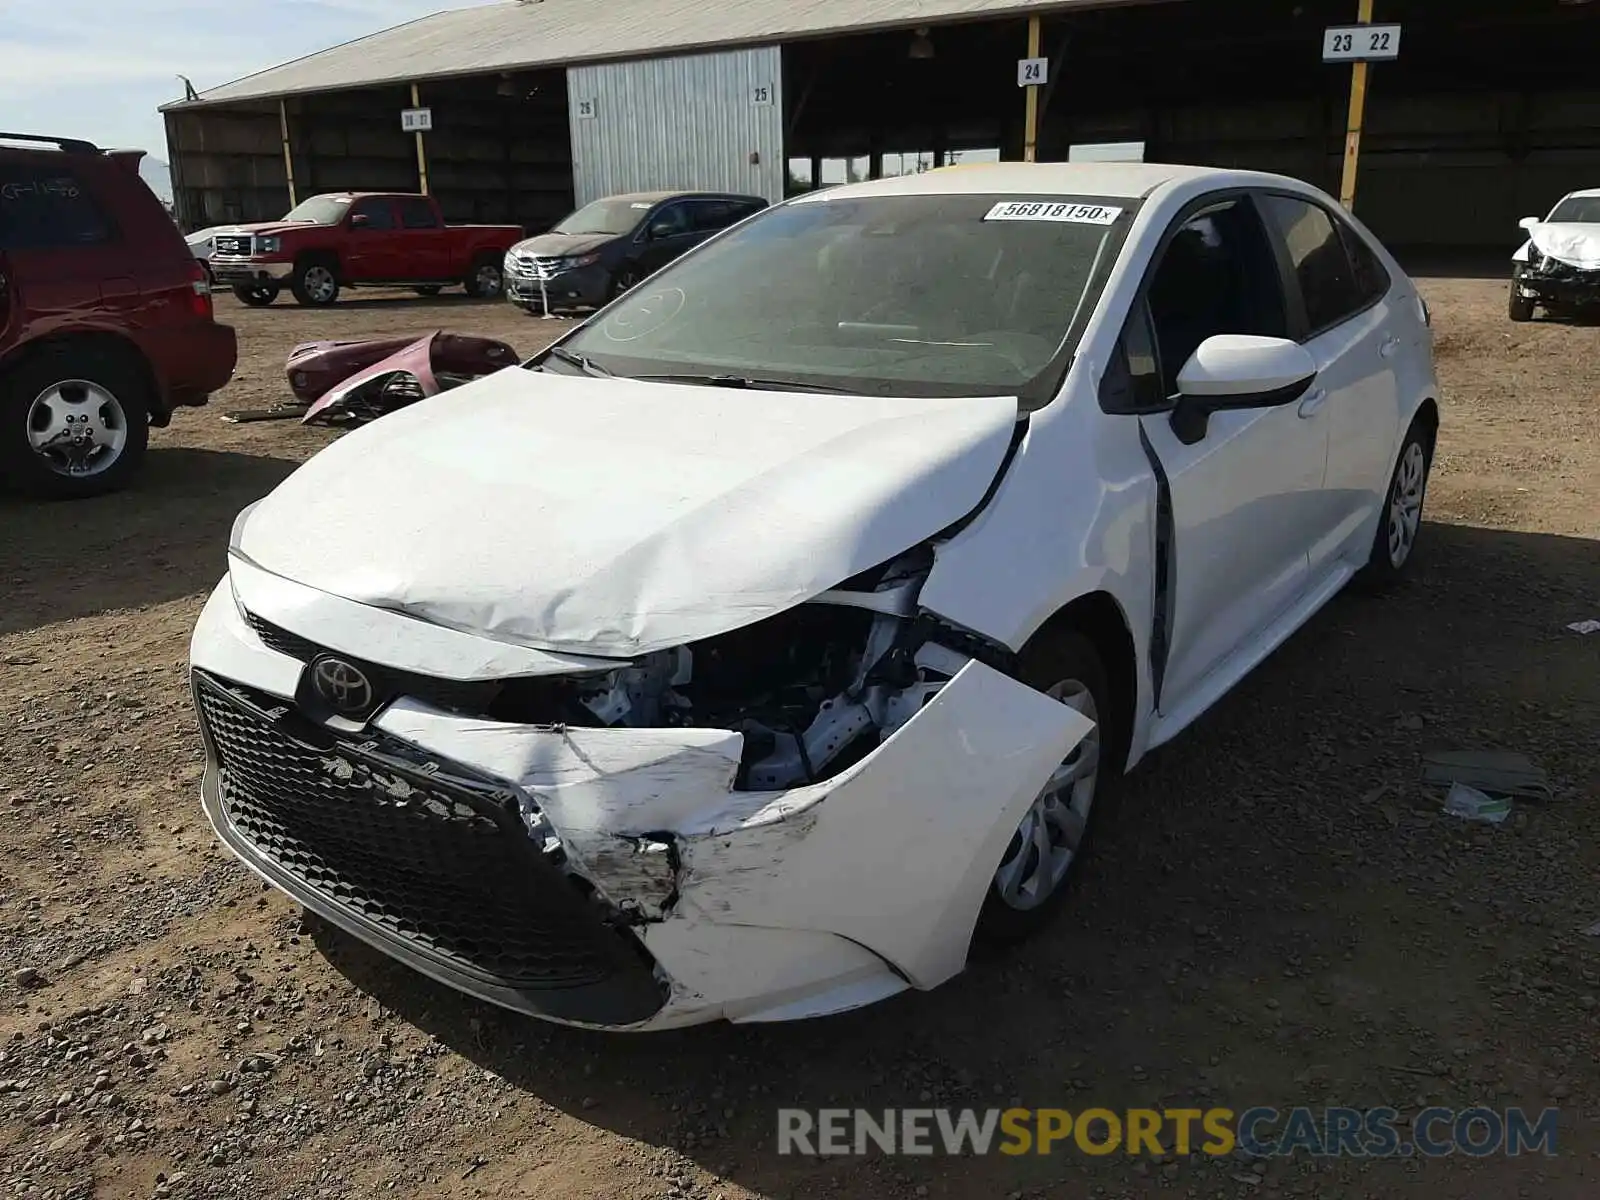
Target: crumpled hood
(613, 517)
(563, 245)
(1575, 244)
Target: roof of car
(689, 194)
(1126, 180)
(1585, 194)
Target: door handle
(1313, 402)
(1389, 345)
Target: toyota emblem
(344, 687)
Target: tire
(626, 280)
(1394, 545)
(84, 392)
(433, 289)
(486, 281)
(1521, 307)
(1067, 666)
(315, 283)
(256, 295)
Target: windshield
(319, 210)
(605, 216)
(1585, 209)
(954, 295)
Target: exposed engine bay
(813, 689)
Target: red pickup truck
(359, 239)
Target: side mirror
(360, 221)
(659, 230)
(1233, 371)
(1529, 222)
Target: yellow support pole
(288, 158)
(1358, 111)
(1030, 126)
(422, 156)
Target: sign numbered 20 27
(1361, 43)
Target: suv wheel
(314, 283)
(486, 281)
(74, 422)
(256, 295)
(1521, 306)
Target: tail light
(200, 291)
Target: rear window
(417, 214)
(48, 207)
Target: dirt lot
(1277, 914)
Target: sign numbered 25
(1361, 43)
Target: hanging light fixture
(508, 86)
(921, 44)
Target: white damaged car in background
(1558, 267)
(758, 646)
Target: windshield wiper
(745, 381)
(582, 361)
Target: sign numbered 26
(1361, 43)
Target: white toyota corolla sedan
(766, 641)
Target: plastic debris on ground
(1585, 627)
(1496, 772)
(1470, 804)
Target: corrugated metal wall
(690, 122)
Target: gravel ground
(1277, 912)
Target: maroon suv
(105, 317)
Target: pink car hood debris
(614, 517)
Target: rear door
(371, 249)
(60, 250)
(1242, 494)
(425, 247)
(1349, 327)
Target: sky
(99, 69)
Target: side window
(376, 212)
(712, 215)
(1321, 264)
(417, 214)
(48, 208)
(745, 208)
(1217, 275)
(1372, 278)
(670, 221)
(1132, 382)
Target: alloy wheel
(1043, 849)
(1405, 503)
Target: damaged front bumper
(614, 877)
(1550, 281)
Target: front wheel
(74, 422)
(315, 284)
(256, 295)
(1032, 879)
(1521, 307)
(628, 278)
(486, 281)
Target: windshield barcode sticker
(1043, 210)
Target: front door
(667, 234)
(1242, 494)
(1350, 332)
(370, 251)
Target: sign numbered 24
(1361, 43)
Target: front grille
(471, 696)
(236, 245)
(277, 638)
(535, 267)
(422, 855)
